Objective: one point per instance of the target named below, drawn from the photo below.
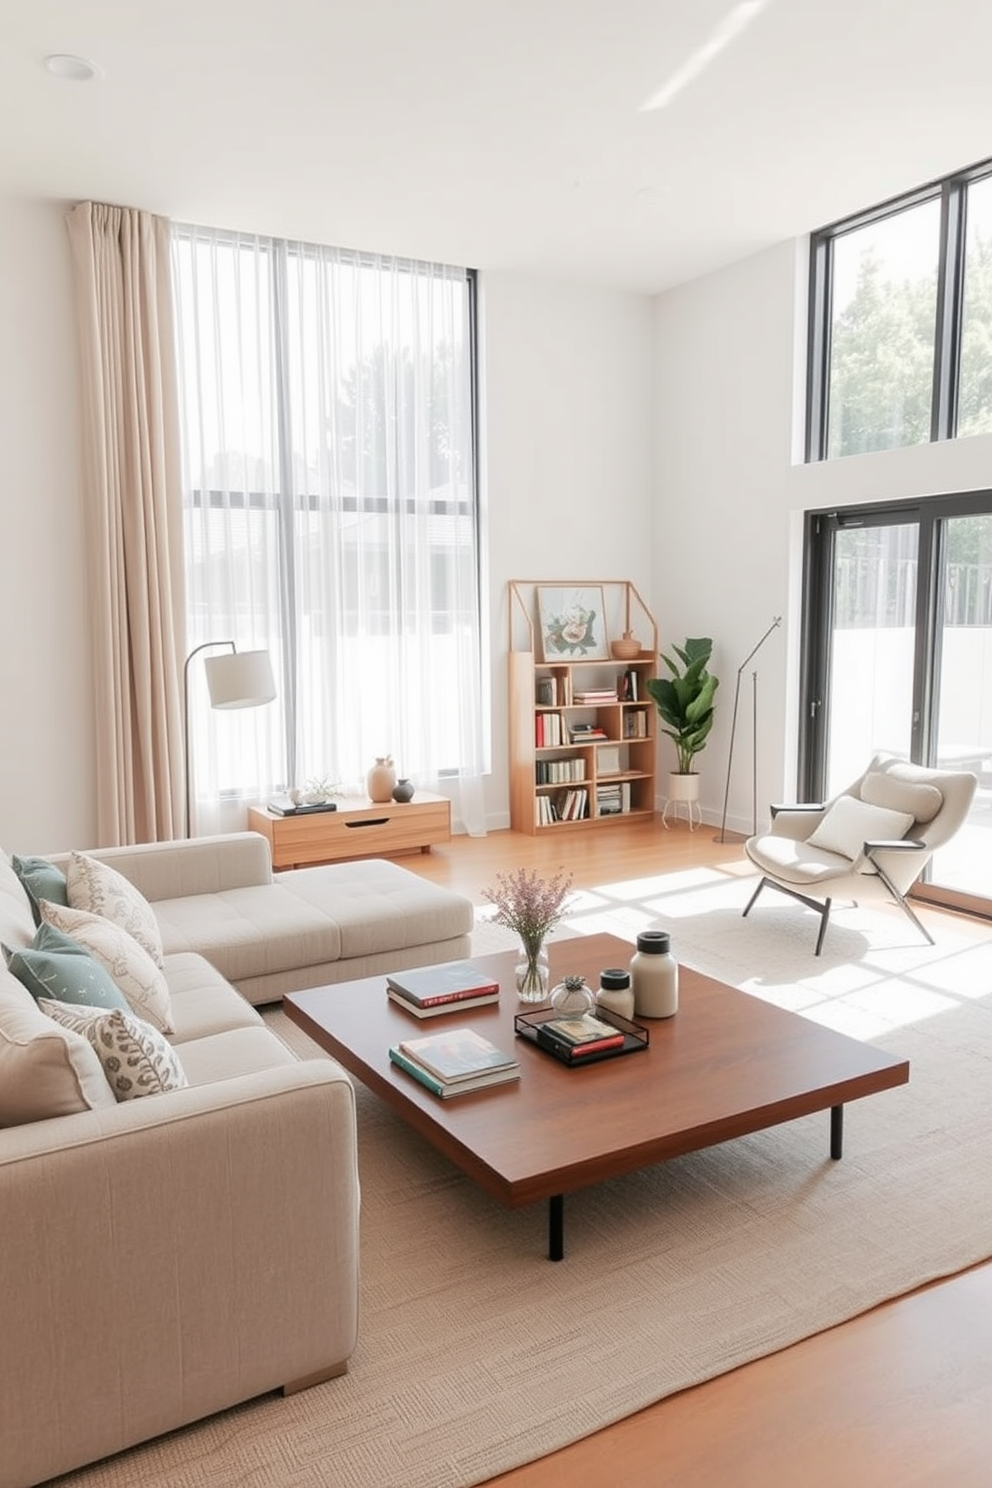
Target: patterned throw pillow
(56, 966)
(136, 1059)
(134, 973)
(41, 880)
(97, 887)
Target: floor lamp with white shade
(240, 679)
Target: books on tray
(454, 1062)
(578, 1036)
(428, 990)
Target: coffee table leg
(836, 1131)
(556, 1227)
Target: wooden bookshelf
(582, 730)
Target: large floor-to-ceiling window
(331, 516)
(898, 644)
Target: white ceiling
(500, 134)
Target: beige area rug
(477, 1354)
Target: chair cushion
(795, 862)
(891, 789)
(850, 823)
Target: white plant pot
(683, 787)
(683, 790)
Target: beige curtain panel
(133, 517)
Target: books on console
(454, 1062)
(426, 990)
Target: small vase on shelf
(403, 789)
(532, 972)
(381, 779)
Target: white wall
(568, 391)
(730, 499)
(46, 738)
(567, 481)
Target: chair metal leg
(755, 895)
(822, 907)
(903, 905)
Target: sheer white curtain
(331, 514)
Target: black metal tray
(635, 1038)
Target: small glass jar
(615, 992)
(654, 974)
(572, 996)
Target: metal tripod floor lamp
(241, 679)
(754, 731)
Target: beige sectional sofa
(163, 1258)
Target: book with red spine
(435, 986)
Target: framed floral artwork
(572, 621)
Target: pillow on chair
(850, 823)
(888, 788)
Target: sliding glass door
(898, 658)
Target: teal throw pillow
(41, 880)
(55, 966)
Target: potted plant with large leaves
(685, 705)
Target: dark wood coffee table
(725, 1065)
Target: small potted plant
(685, 704)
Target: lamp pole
(733, 728)
(206, 646)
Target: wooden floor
(900, 1396)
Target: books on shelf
(608, 759)
(635, 723)
(586, 733)
(560, 771)
(548, 733)
(440, 986)
(588, 696)
(454, 1062)
(613, 800)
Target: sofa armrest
(172, 1256)
(198, 865)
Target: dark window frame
(952, 192)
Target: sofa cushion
(203, 1002)
(849, 823)
(240, 1051)
(142, 984)
(97, 887)
(312, 916)
(136, 1059)
(45, 1070)
(41, 880)
(56, 966)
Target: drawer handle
(372, 821)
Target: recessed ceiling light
(73, 69)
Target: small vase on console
(381, 780)
(403, 789)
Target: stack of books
(429, 990)
(454, 1062)
(573, 1039)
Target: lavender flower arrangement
(532, 907)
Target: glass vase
(533, 973)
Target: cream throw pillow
(136, 1059)
(134, 973)
(850, 823)
(97, 887)
(45, 1070)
